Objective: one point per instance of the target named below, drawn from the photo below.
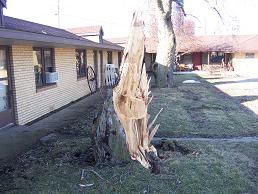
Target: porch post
(208, 58)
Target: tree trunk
(108, 137)
(167, 44)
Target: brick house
(204, 52)
(29, 54)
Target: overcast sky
(115, 15)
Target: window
(119, 58)
(43, 62)
(109, 57)
(216, 57)
(4, 85)
(249, 55)
(81, 63)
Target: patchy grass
(200, 110)
(56, 168)
(190, 110)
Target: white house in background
(96, 33)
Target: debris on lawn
(165, 147)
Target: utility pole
(58, 13)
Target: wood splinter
(131, 100)
(123, 122)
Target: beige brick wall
(115, 58)
(90, 59)
(244, 66)
(104, 57)
(31, 104)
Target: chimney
(2, 6)
(101, 34)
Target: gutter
(14, 36)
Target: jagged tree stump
(108, 137)
(130, 102)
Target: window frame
(84, 51)
(52, 56)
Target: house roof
(87, 30)
(26, 26)
(17, 30)
(3, 3)
(248, 43)
(94, 30)
(112, 45)
(119, 40)
(228, 43)
(225, 43)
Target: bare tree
(163, 68)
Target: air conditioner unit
(51, 77)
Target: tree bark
(108, 137)
(167, 44)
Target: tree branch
(215, 9)
(181, 6)
(160, 6)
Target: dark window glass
(48, 61)
(216, 57)
(43, 62)
(109, 57)
(81, 63)
(3, 66)
(38, 68)
(119, 58)
(249, 55)
(4, 88)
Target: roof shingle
(86, 30)
(42, 32)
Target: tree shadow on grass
(237, 99)
(251, 80)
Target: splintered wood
(131, 99)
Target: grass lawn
(220, 168)
(200, 110)
(189, 110)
